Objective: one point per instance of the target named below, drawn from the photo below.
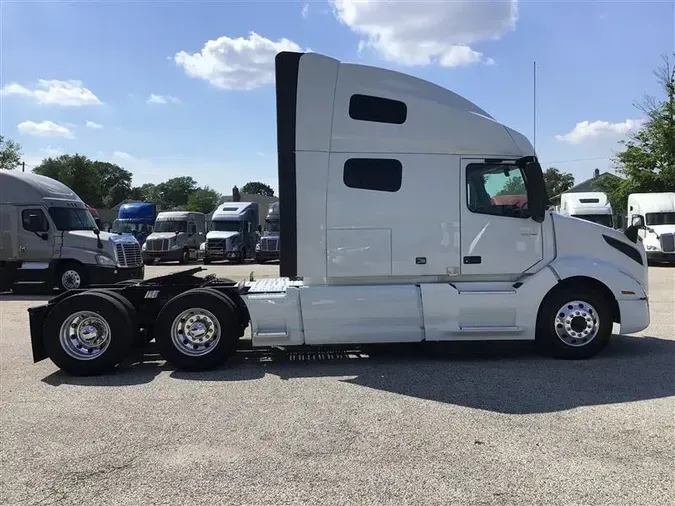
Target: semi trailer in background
(233, 233)
(137, 219)
(657, 211)
(391, 234)
(48, 238)
(589, 206)
(268, 246)
(176, 236)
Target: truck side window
(379, 174)
(377, 109)
(499, 190)
(34, 220)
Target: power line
(578, 160)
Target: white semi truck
(657, 211)
(589, 206)
(391, 234)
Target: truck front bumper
(661, 257)
(166, 256)
(98, 275)
(634, 315)
(221, 254)
(264, 256)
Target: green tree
(76, 172)
(117, 194)
(203, 200)
(257, 188)
(557, 182)
(514, 186)
(10, 154)
(647, 162)
(143, 192)
(173, 193)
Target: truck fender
(622, 286)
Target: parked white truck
(657, 211)
(176, 236)
(589, 206)
(391, 234)
(48, 238)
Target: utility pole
(23, 166)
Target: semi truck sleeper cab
(395, 228)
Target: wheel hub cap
(195, 332)
(576, 323)
(85, 335)
(71, 279)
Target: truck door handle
(472, 260)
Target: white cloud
(586, 130)
(235, 64)
(424, 33)
(53, 92)
(162, 99)
(305, 10)
(91, 124)
(121, 155)
(44, 129)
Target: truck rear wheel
(574, 323)
(88, 333)
(195, 330)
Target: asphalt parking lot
(438, 426)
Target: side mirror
(43, 235)
(537, 199)
(638, 221)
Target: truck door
(498, 238)
(35, 239)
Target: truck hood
(86, 239)
(162, 235)
(217, 234)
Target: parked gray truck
(48, 238)
(268, 246)
(177, 236)
(234, 232)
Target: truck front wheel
(71, 276)
(574, 323)
(195, 330)
(88, 333)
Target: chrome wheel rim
(85, 335)
(195, 332)
(576, 323)
(71, 279)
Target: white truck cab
(589, 206)
(657, 210)
(409, 215)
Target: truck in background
(233, 232)
(657, 211)
(589, 206)
(360, 264)
(268, 245)
(176, 236)
(137, 219)
(48, 238)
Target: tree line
(104, 184)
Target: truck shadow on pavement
(500, 377)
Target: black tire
(207, 261)
(111, 310)
(185, 257)
(64, 276)
(574, 346)
(220, 308)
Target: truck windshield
(170, 226)
(602, 219)
(68, 218)
(660, 218)
(125, 227)
(271, 226)
(226, 226)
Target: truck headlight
(104, 260)
(651, 247)
(174, 247)
(143, 247)
(257, 247)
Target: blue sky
(216, 123)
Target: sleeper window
(377, 109)
(375, 174)
(499, 190)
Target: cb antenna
(534, 106)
